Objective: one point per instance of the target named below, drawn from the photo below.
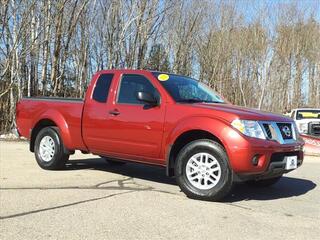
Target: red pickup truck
(167, 120)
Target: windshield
(188, 90)
(308, 114)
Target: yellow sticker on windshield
(163, 77)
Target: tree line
(264, 55)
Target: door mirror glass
(147, 98)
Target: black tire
(263, 182)
(59, 158)
(224, 184)
(113, 162)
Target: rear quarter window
(101, 90)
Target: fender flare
(56, 117)
(204, 123)
(214, 126)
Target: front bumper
(257, 158)
(275, 169)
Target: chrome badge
(286, 130)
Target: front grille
(267, 129)
(285, 130)
(314, 128)
(278, 157)
(282, 132)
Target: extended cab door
(134, 127)
(123, 126)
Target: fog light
(255, 160)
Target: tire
(50, 155)
(215, 185)
(263, 182)
(113, 162)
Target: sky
(251, 8)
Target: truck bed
(67, 113)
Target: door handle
(114, 112)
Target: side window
(130, 85)
(101, 90)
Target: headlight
(303, 127)
(249, 128)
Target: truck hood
(230, 112)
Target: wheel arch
(183, 139)
(54, 119)
(37, 128)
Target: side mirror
(147, 98)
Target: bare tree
(269, 60)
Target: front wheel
(49, 149)
(202, 170)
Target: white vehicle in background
(307, 120)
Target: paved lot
(92, 200)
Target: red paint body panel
(66, 115)
(240, 149)
(312, 144)
(146, 135)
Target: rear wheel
(263, 182)
(202, 170)
(49, 149)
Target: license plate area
(291, 162)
